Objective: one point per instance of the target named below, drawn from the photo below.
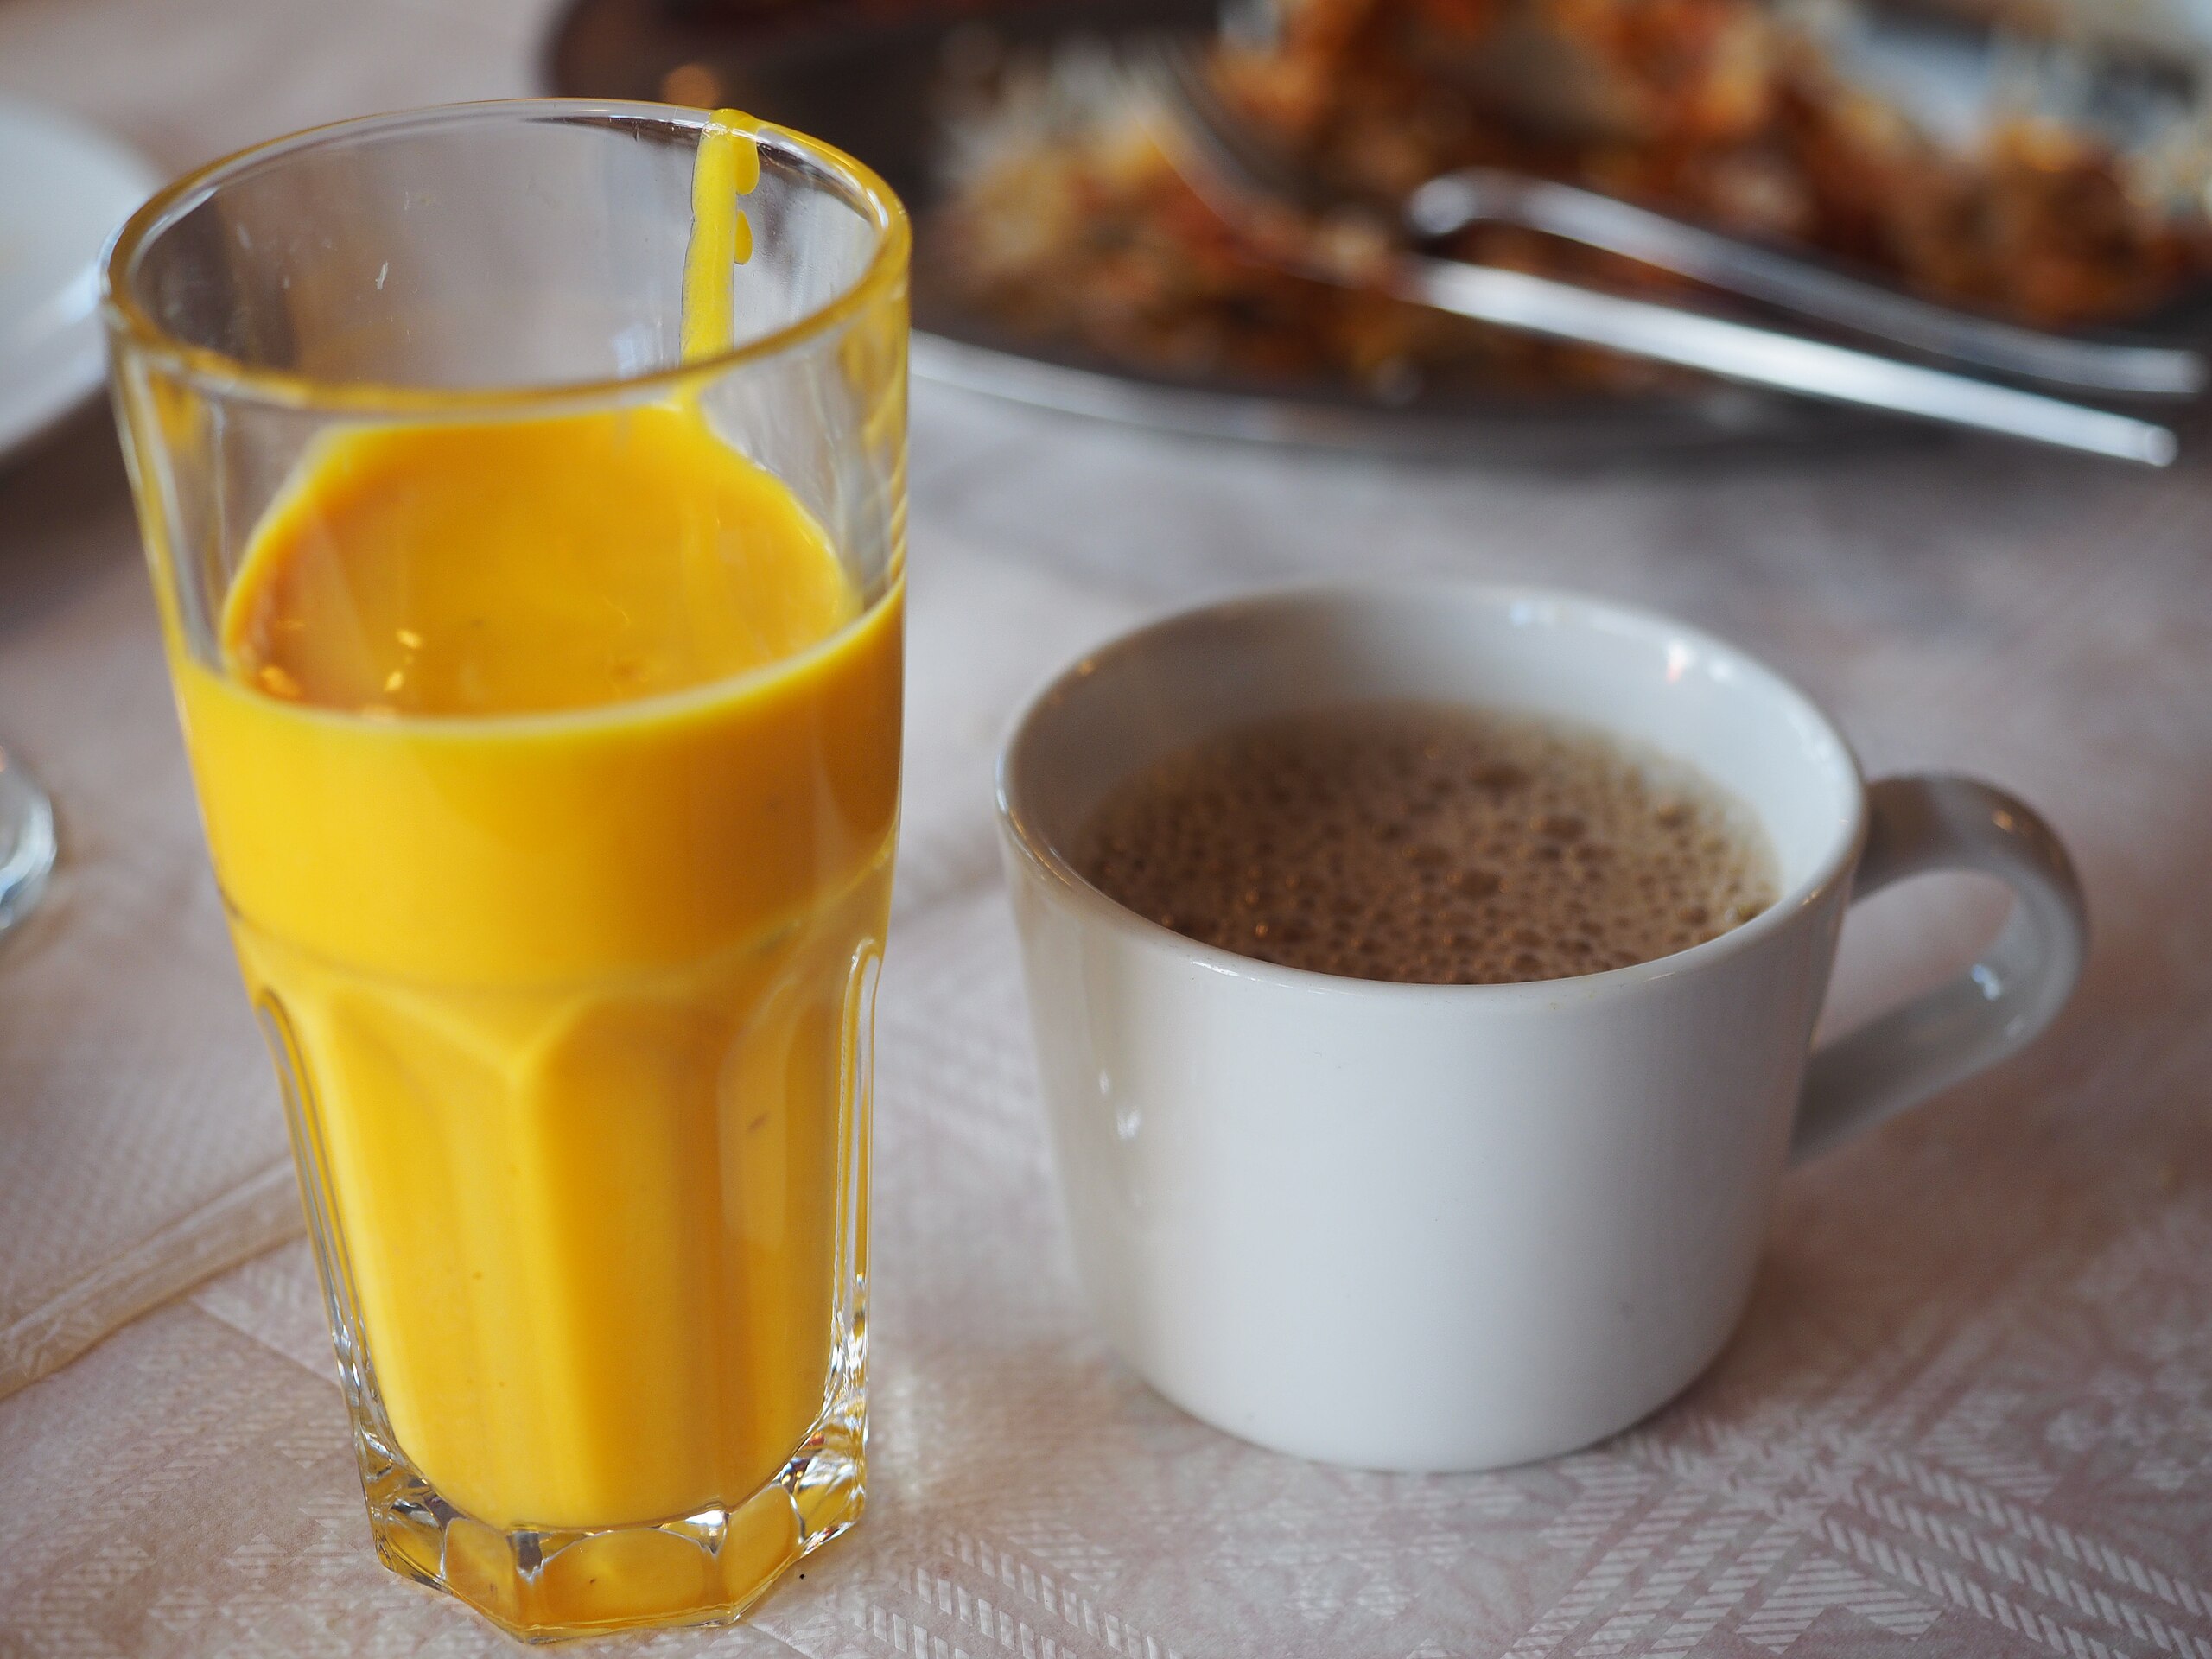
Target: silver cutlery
(1473, 195)
(1220, 165)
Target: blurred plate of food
(64, 189)
(2041, 163)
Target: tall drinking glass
(538, 649)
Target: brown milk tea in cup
(1430, 843)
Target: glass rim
(219, 372)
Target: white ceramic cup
(1439, 1227)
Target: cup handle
(1936, 822)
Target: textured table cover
(1970, 1407)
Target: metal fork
(1216, 162)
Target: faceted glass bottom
(553, 1586)
(705, 1567)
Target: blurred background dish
(64, 188)
(2023, 166)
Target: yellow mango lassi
(552, 786)
(539, 653)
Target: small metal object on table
(27, 844)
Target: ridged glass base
(544, 1583)
(550, 1587)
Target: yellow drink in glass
(547, 741)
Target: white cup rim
(1072, 889)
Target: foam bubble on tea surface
(1430, 844)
